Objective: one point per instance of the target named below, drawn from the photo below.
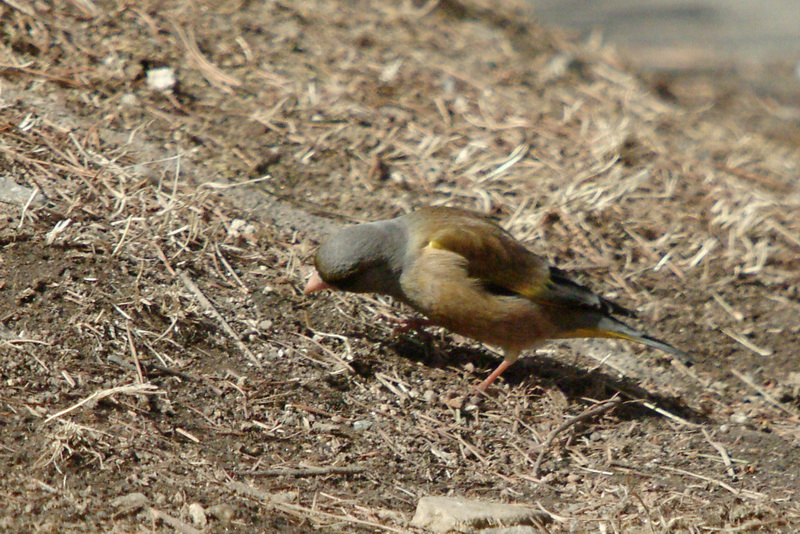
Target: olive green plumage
(465, 273)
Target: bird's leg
(477, 399)
(510, 357)
(492, 377)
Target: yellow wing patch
(594, 333)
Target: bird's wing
(563, 290)
(504, 266)
(493, 257)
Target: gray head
(366, 258)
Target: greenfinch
(468, 275)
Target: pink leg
(497, 372)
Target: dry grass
(153, 338)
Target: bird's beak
(315, 283)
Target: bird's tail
(608, 327)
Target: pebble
(198, 514)
(456, 514)
(739, 418)
(161, 78)
(363, 424)
(223, 512)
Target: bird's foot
(480, 393)
(478, 397)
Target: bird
(465, 273)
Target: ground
(162, 370)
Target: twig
(134, 355)
(191, 286)
(742, 493)
(113, 358)
(303, 471)
(26, 206)
(123, 236)
(739, 316)
(188, 435)
(668, 415)
(20, 7)
(46, 75)
(211, 72)
(163, 258)
(748, 526)
(587, 414)
(747, 343)
(14, 342)
(341, 361)
(233, 274)
(310, 409)
(726, 459)
(346, 518)
(217, 185)
(763, 392)
(301, 511)
(138, 389)
(387, 382)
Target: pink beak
(315, 283)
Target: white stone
(13, 193)
(161, 78)
(456, 514)
(198, 514)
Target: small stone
(455, 514)
(223, 512)
(13, 193)
(284, 497)
(363, 424)
(131, 500)
(161, 78)
(241, 229)
(519, 529)
(739, 418)
(198, 514)
(718, 386)
(129, 100)
(324, 427)
(456, 402)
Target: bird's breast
(437, 285)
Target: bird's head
(366, 258)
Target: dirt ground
(161, 370)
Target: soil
(162, 370)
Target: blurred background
(676, 34)
(731, 57)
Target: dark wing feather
(566, 291)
